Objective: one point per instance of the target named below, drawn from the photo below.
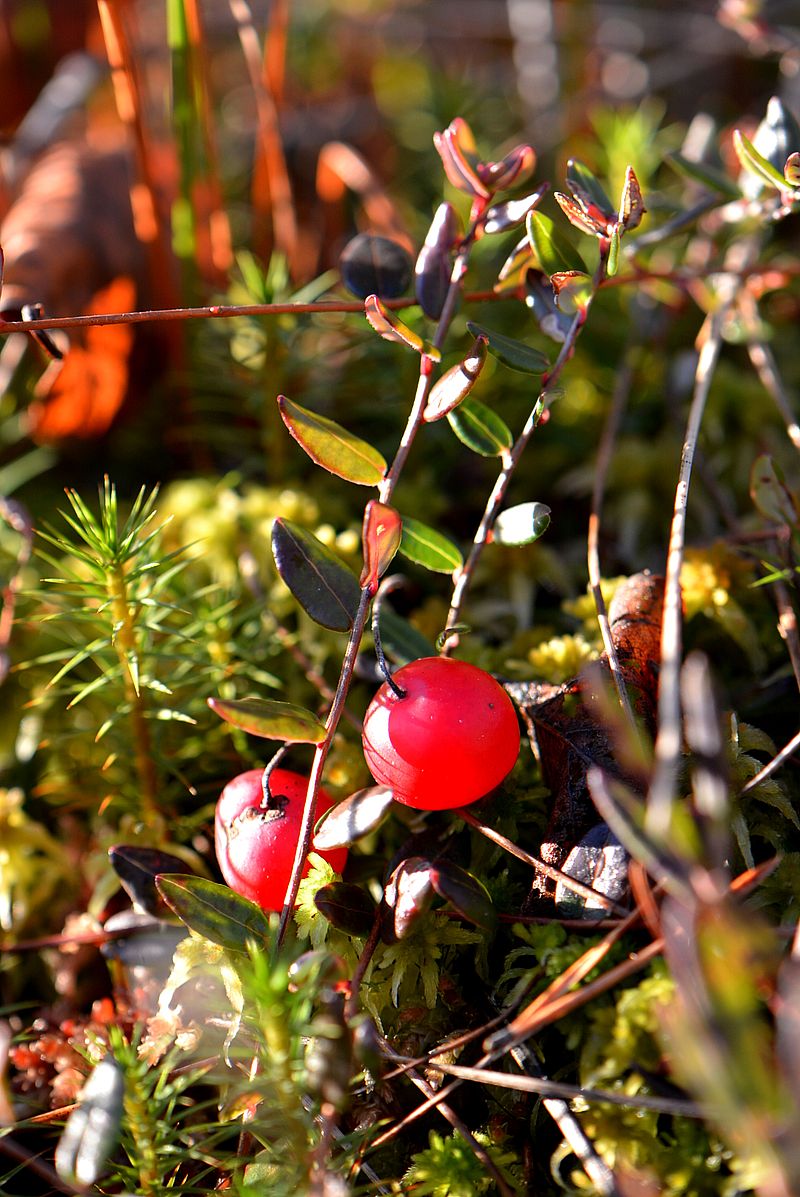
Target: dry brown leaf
(566, 721)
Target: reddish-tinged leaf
(215, 911)
(454, 386)
(353, 818)
(502, 217)
(456, 147)
(320, 581)
(409, 893)
(631, 207)
(514, 270)
(595, 226)
(518, 165)
(270, 719)
(573, 290)
(445, 228)
(392, 329)
(332, 446)
(791, 171)
(380, 540)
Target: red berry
(453, 736)
(256, 847)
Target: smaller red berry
(255, 846)
(450, 738)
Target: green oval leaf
(756, 163)
(320, 581)
(429, 548)
(511, 352)
(551, 247)
(353, 818)
(270, 719)
(215, 911)
(521, 524)
(480, 428)
(332, 446)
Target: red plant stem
(496, 498)
(320, 755)
(225, 312)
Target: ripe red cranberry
(256, 847)
(451, 738)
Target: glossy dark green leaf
(511, 352)
(522, 524)
(429, 548)
(552, 249)
(373, 265)
(464, 892)
(588, 190)
(480, 428)
(92, 1129)
(320, 581)
(215, 911)
(270, 719)
(332, 446)
(137, 867)
(705, 174)
(353, 818)
(348, 907)
(454, 385)
(401, 640)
